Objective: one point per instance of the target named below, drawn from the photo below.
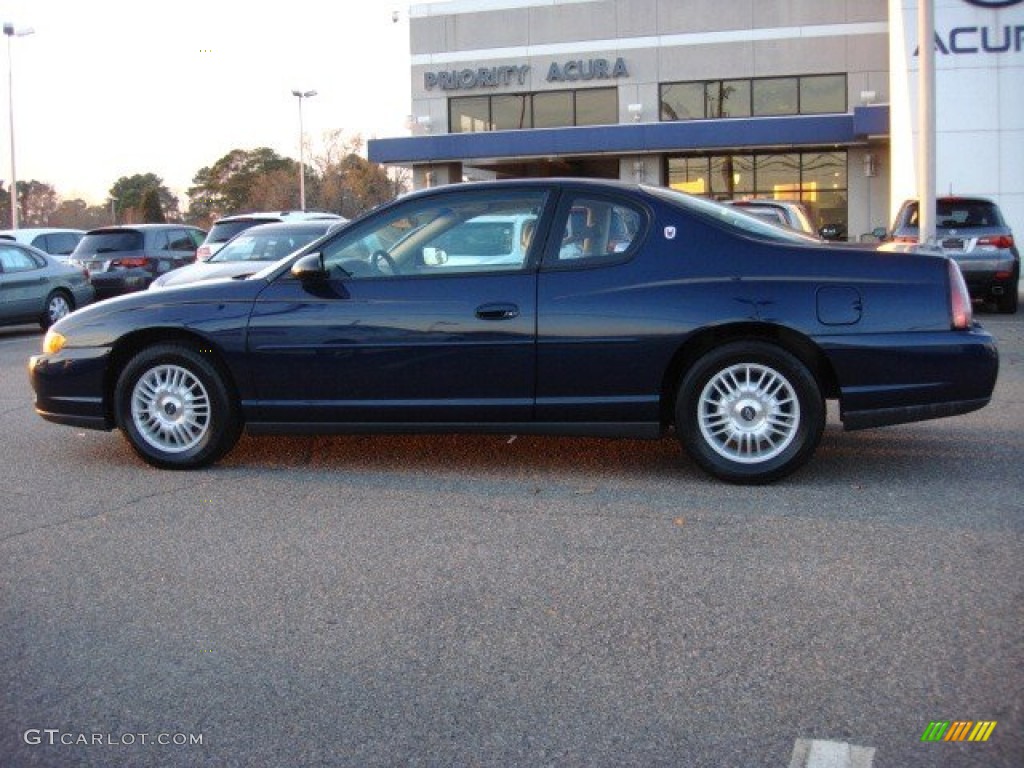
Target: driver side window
(477, 233)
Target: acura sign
(980, 33)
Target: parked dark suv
(128, 258)
(971, 231)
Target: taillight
(129, 263)
(203, 253)
(959, 298)
(997, 241)
(904, 239)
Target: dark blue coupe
(555, 306)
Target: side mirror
(881, 233)
(434, 257)
(310, 268)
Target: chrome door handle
(497, 311)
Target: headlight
(53, 343)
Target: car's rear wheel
(749, 412)
(1007, 303)
(174, 407)
(58, 304)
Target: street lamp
(11, 32)
(302, 149)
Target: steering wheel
(380, 255)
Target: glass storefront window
(728, 98)
(682, 101)
(713, 99)
(511, 112)
(555, 109)
(775, 96)
(552, 110)
(597, 106)
(689, 174)
(830, 208)
(817, 179)
(778, 176)
(731, 175)
(822, 94)
(469, 115)
(823, 186)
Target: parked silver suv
(782, 213)
(971, 231)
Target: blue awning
(639, 138)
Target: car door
(596, 346)
(23, 283)
(398, 333)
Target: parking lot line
(817, 753)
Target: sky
(110, 88)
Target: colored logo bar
(958, 730)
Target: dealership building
(787, 99)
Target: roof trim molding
(643, 138)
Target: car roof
(761, 203)
(281, 216)
(285, 227)
(122, 227)
(33, 231)
(956, 199)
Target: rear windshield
(961, 213)
(223, 231)
(114, 241)
(732, 216)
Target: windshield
(223, 231)
(263, 247)
(113, 241)
(732, 216)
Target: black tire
(174, 407)
(58, 304)
(749, 412)
(1007, 303)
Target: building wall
(979, 109)
(661, 41)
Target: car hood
(172, 307)
(206, 270)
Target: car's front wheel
(174, 407)
(58, 304)
(749, 412)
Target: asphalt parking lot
(500, 601)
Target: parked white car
(226, 228)
(250, 250)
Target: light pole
(11, 32)
(302, 149)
